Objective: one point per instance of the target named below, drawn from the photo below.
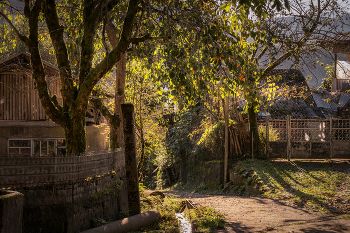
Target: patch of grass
(167, 208)
(343, 216)
(318, 186)
(212, 188)
(98, 222)
(206, 219)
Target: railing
(308, 138)
(19, 171)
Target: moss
(105, 191)
(118, 186)
(212, 185)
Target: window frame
(32, 145)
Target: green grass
(200, 188)
(206, 218)
(321, 186)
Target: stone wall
(11, 211)
(70, 207)
(34, 171)
(64, 194)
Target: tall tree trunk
(116, 131)
(253, 132)
(75, 135)
(120, 96)
(142, 137)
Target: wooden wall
(19, 98)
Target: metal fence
(308, 138)
(21, 171)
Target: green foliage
(142, 188)
(205, 218)
(167, 208)
(273, 136)
(327, 82)
(123, 214)
(95, 222)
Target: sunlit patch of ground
(322, 186)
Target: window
(37, 147)
(19, 147)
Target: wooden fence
(308, 138)
(33, 171)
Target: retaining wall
(34, 171)
(71, 207)
(64, 194)
(11, 211)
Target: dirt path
(255, 214)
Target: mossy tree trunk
(254, 131)
(75, 95)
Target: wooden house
(24, 126)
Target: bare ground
(257, 214)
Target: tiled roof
(11, 123)
(344, 38)
(297, 108)
(331, 101)
(24, 63)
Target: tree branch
(147, 37)
(113, 57)
(307, 35)
(36, 62)
(92, 16)
(21, 37)
(98, 104)
(263, 51)
(61, 53)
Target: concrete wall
(11, 211)
(70, 207)
(214, 176)
(277, 150)
(311, 150)
(96, 136)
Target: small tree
(327, 82)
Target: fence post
(288, 137)
(130, 159)
(226, 138)
(267, 137)
(330, 138)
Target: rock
(147, 193)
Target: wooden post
(267, 136)
(130, 159)
(335, 80)
(330, 138)
(288, 138)
(226, 138)
(252, 146)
